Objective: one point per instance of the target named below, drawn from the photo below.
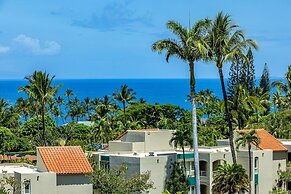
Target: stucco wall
(133, 163)
(133, 136)
(41, 183)
(72, 179)
(158, 140)
(159, 167)
(125, 147)
(75, 189)
(40, 164)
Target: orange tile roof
(267, 141)
(65, 159)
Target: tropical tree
(189, 47)
(247, 139)
(40, 89)
(230, 178)
(283, 101)
(226, 42)
(243, 105)
(181, 138)
(8, 115)
(125, 95)
(177, 182)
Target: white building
(59, 170)
(149, 150)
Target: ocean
(163, 91)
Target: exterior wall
(265, 166)
(159, 168)
(74, 179)
(133, 163)
(134, 136)
(40, 183)
(74, 189)
(158, 141)
(125, 147)
(40, 164)
(279, 164)
(215, 158)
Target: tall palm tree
(40, 89)
(189, 47)
(230, 178)
(226, 41)
(181, 138)
(248, 138)
(125, 95)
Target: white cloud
(4, 49)
(35, 47)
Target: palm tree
(226, 41)
(189, 47)
(69, 93)
(125, 95)
(248, 138)
(230, 178)
(40, 89)
(285, 88)
(243, 105)
(181, 138)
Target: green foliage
(177, 182)
(207, 136)
(32, 129)
(116, 181)
(265, 80)
(9, 117)
(230, 178)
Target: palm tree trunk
(228, 116)
(123, 104)
(184, 160)
(43, 124)
(250, 169)
(194, 128)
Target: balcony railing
(202, 173)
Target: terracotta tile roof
(65, 159)
(267, 141)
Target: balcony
(203, 173)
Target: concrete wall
(265, 161)
(279, 164)
(40, 183)
(125, 147)
(159, 168)
(75, 189)
(40, 164)
(133, 163)
(72, 179)
(133, 136)
(158, 140)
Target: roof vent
(151, 153)
(4, 171)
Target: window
(26, 187)
(256, 164)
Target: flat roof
(10, 169)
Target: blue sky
(112, 39)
